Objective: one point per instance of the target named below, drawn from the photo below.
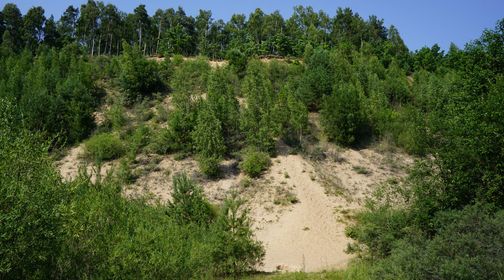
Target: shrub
(209, 165)
(254, 162)
(105, 146)
(469, 245)
(32, 203)
(116, 117)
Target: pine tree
(256, 117)
(222, 102)
(208, 141)
(341, 116)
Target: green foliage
(115, 116)
(189, 82)
(291, 116)
(468, 246)
(237, 252)
(342, 117)
(256, 118)
(209, 142)
(139, 77)
(223, 103)
(318, 78)
(102, 147)
(254, 162)
(32, 200)
(237, 60)
(55, 92)
(189, 204)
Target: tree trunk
(99, 46)
(92, 48)
(158, 38)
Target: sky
(420, 22)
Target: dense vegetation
(444, 221)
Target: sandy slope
(308, 237)
(304, 236)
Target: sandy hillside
(300, 207)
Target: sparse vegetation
(361, 170)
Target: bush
(116, 117)
(105, 146)
(469, 245)
(32, 203)
(209, 165)
(254, 162)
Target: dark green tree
(33, 31)
(13, 22)
(256, 117)
(139, 77)
(342, 117)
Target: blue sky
(420, 22)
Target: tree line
(101, 28)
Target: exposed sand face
(307, 235)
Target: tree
(87, 24)
(13, 22)
(139, 77)
(318, 79)
(237, 252)
(67, 24)
(256, 117)
(202, 25)
(222, 102)
(208, 141)
(32, 201)
(33, 31)
(189, 205)
(143, 25)
(341, 116)
(51, 35)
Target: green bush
(469, 245)
(254, 162)
(116, 117)
(32, 203)
(236, 252)
(105, 146)
(209, 165)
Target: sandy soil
(308, 237)
(72, 164)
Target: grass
(361, 170)
(285, 197)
